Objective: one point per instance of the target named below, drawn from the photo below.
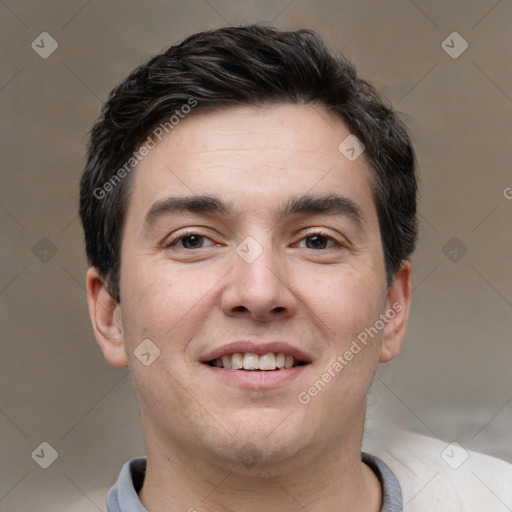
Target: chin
(265, 447)
(258, 458)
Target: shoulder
(434, 473)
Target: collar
(123, 496)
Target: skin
(189, 301)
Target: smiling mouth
(251, 361)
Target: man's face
(232, 245)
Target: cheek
(163, 303)
(168, 307)
(345, 302)
(346, 311)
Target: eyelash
(330, 238)
(186, 234)
(311, 234)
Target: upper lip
(257, 348)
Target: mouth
(257, 366)
(250, 361)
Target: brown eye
(316, 242)
(192, 241)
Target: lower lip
(257, 379)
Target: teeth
(268, 362)
(251, 361)
(237, 361)
(226, 361)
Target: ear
(398, 305)
(106, 319)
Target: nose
(259, 289)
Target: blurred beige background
(453, 378)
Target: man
(249, 208)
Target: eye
(318, 241)
(191, 241)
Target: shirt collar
(123, 496)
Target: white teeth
(237, 361)
(252, 361)
(268, 362)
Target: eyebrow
(332, 204)
(194, 204)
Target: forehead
(255, 156)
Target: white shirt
(437, 476)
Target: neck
(334, 480)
